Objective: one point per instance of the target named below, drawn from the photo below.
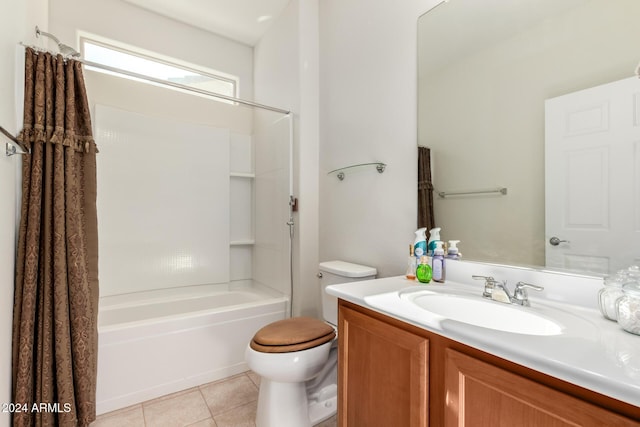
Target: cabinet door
(479, 394)
(382, 373)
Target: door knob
(554, 241)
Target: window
(165, 69)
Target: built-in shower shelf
(247, 242)
(242, 175)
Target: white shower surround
(163, 202)
(214, 215)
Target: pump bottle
(420, 243)
(453, 252)
(437, 263)
(434, 236)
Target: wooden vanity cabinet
(393, 374)
(481, 394)
(383, 371)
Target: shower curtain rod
(172, 84)
(181, 86)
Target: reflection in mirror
(486, 70)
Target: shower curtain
(56, 289)
(425, 189)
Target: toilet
(297, 358)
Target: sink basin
(484, 313)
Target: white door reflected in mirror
(592, 177)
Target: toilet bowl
(297, 359)
(283, 398)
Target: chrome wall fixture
(380, 167)
(11, 146)
(500, 190)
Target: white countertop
(592, 352)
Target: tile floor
(230, 402)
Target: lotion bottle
(438, 263)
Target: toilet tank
(334, 272)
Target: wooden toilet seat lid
(295, 334)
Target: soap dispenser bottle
(452, 251)
(434, 236)
(420, 244)
(438, 263)
(423, 272)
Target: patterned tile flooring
(230, 402)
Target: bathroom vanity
(400, 365)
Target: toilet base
(303, 404)
(282, 404)
(322, 391)
(287, 405)
(324, 406)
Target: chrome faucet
(498, 291)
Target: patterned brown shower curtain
(55, 337)
(425, 190)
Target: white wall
(8, 35)
(308, 151)
(275, 82)
(18, 20)
(286, 75)
(348, 71)
(129, 24)
(368, 113)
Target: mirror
(485, 69)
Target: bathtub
(159, 342)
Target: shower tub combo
(158, 342)
(213, 219)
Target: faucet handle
(523, 285)
(489, 283)
(520, 293)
